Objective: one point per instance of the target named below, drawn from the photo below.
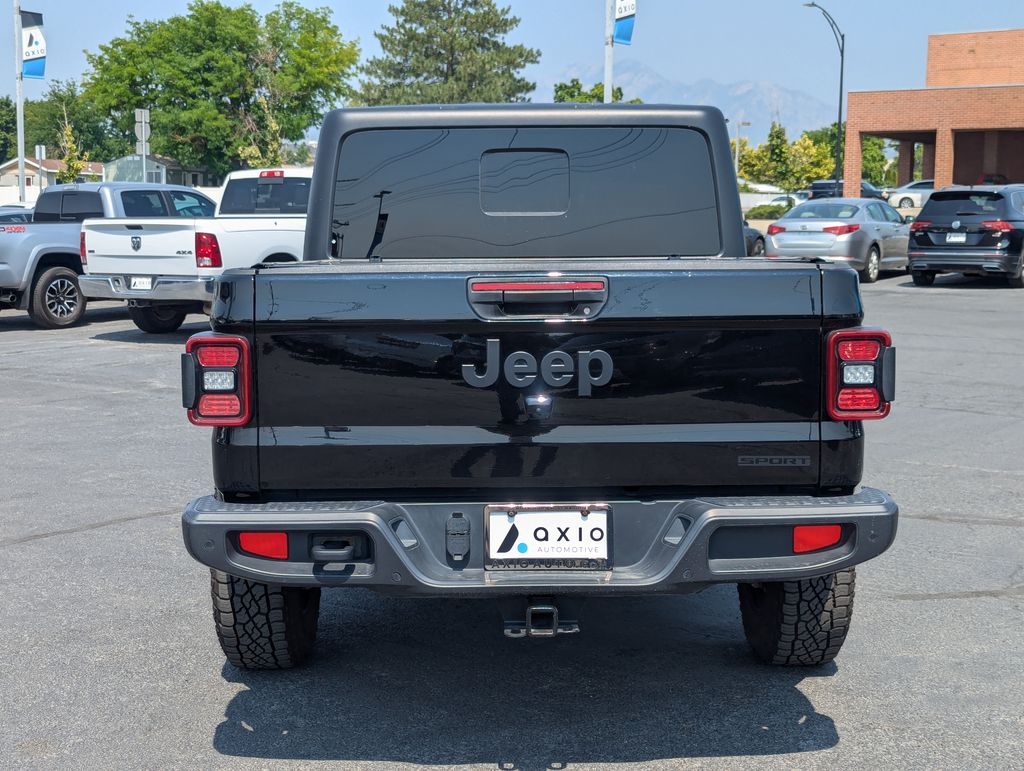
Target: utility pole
(19, 98)
(609, 48)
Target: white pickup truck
(166, 267)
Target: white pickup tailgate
(146, 247)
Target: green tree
(224, 85)
(447, 52)
(64, 102)
(74, 159)
(768, 163)
(8, 129)
(573, 92)
(808, 161)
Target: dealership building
(969, 117)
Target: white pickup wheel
(156, 320)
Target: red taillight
(216, 380)
(274, 174)
(207, 251)
(537, 286)
(1000, 226)
(219, 405)
(853, 399)
(919, 225)
(773, 229)
(81, 249)
(218, 355)
(858, 350)
(272, 545)
(814, 537)
(842, 230)
(859, 374)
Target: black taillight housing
(216, 386)
(860, 381)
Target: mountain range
(759, 102)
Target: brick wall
(976, 58)
(926, 113)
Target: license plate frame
(585, 517)
(140, 283)
(956, 238)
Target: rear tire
(156, 320)
(872, 267)
(263, 626)
(906, 203)
(758, 250)
(798, 623)
(57, 301)
(923, 277)
(1017, 282)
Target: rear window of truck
(272, 195)
(559, 192)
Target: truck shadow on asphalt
(20, 321)
(958, 281)
(176, 338)
(435, 683)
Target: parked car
(15, 214)
(827, 188)
(41, 260)
(970, 230)
(166, 269)
(868, 235)
(753, 239)
(790, 199)
(911, 195)
(399, 413)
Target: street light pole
(739, 123)
(841, 42)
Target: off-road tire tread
(148, 322)
(798, 623)
(263, 626)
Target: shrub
(766, 212)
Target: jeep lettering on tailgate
(557, 369)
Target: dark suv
(975, 230)
(827, 188)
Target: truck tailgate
(159, 246)
(377, 379)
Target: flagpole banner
(33, 45)
(625, 16)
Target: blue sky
(685, 40)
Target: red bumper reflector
(858, 399)
(218, 355)
(537, 286)
(218, 406)
(813, 537)
(858, 350)
(272, 545)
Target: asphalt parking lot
(108, 656)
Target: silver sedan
(865, 233)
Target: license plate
(956, 238)
(548, 537)
(142, 282)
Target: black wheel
(56, 299)
(923, 277)
(263, 626)
(872, 267)
(798, 623)
(1017, 282)
(156, 320)
(906, 203)
(758, 249)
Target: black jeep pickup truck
(526, 359)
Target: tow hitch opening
(540, 616)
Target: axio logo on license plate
(573, 536)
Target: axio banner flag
(625, 15)
(33, 45)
